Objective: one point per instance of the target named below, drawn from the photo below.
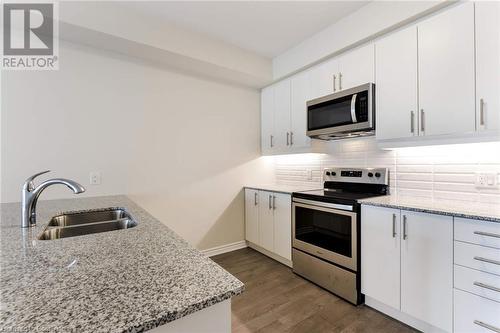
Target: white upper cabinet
(267, 120)
(446, 71)
(299, 98)
(323, 79)
(396, 85)
(282, 114)
(488, 65)
(356, 67)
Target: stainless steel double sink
(87, 222)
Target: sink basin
(87, 222)
(86, 229)
(76, 218)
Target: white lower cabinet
(407, 263)
(268, 221)
(474, 314)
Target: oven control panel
(357, 175)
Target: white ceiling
(267, 28)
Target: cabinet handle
(487, 234)
(489, 261)
(287, 138)
(272, 143)
(291, 138)
(393, 225)
(486, 286)
(405, 236)
(412, 121)
(270, 205)
(334, 82)
(422, 120)
(255, 199)
(274, 202)
(340, 81)
(481, 112)
(487, 326)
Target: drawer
(477, 232)
(475, 314)
(482, 258)
(476, 282)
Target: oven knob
(377, 174)
(334, 173)
(328, 173)
(370, 174)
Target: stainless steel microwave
(348, 113)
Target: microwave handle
(353, 108)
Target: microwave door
(353, 108)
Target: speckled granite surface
(283, 188)
(120, 281)
(472, 210)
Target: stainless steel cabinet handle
(270, 205)
(405, 236)
(481, 112)
(487, 234)
(412, 121)
(287, 138)
(340, 81)
(486, 286)
(334, 82)
(487, 326)
(422, 120)
(393, 225)
(291, 138)
(255, 198)
(274, 202)
(489, 261)
(272, 143)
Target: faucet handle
(28, 184)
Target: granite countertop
(120, 281)
(284, 188)
(472, 210)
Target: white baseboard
(402, 317)
(224, 248)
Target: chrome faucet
(31, 194)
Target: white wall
(366, 23)
(180, 145)
(439, 172)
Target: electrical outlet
(486, 180)
(95, 178)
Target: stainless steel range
(326, 229)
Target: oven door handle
(324, 204)
(353, 108)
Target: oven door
(325, 232)
(346, 111)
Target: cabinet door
(299, 98)
(427, 268)
(446, 71)
(396, 85)
(266, 220)
(283, 225)
(252, 216)
(380, 254)
(282, 114)
(267, 119)
(323, 79)
(488, 65)
(357, 67)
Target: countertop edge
(432, 211)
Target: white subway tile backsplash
(444, 172)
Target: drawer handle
(487, 326)
(489, 261)
(487, 234)
(486, 286)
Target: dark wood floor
(277, 300)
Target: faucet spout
(31, 193)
